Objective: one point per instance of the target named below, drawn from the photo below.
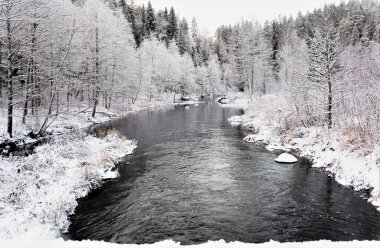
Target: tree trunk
(1, 80)
(251, 81)
(329, 107)
(10, 104)
(26, 95)
(10, 76)
(94, 105)
(97, 69)
(1, 86)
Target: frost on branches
(38, 192)
(64, 57)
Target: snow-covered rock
(236, 120)
(270, 118)
(286, 158)
(250, 138)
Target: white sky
(211, 14)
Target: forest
(63, 57)
(66, 57)
(80, 160)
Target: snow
(286, 158)
(271, 120)
(77, 118)
(235, 100)
(36, 201)
(236, 120)
(60, 243)
(38, 192)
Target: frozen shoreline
(60, 243)
(22, 143)
(39, 192)
(350, 164)
(77, 119)
(17, 235)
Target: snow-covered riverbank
(38, 192)
(60, 243)
(77, 118)
(351, 163)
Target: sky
(211, 14)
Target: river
(193, 178)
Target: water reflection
(194, 179)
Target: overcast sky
(211, 14)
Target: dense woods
(325, 62)
(66, 57)
(309, 86)
(60, 57)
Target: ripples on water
(194, 179)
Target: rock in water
(286, 158)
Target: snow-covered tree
(325, 71)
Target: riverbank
(271, 120)
(60, 243)
(145, 204)
(74, 118)
(38, 192)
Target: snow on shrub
(38, 192)
(352, 163)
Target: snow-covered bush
(275, 124)
(38, 192)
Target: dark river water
(193, 179)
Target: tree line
(326, 62)
(68, 57)
(72, 56)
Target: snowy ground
(351, 163)
(38, 192)
(77, 117)
(59, 243)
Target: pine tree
(272, 35)
(195, 46)
(142, 31)
(183, 37)
(165, 29)
(124, 9)
(166, 15)
(130, 17)
(172, 25)
(150, 21)
(275, 41)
